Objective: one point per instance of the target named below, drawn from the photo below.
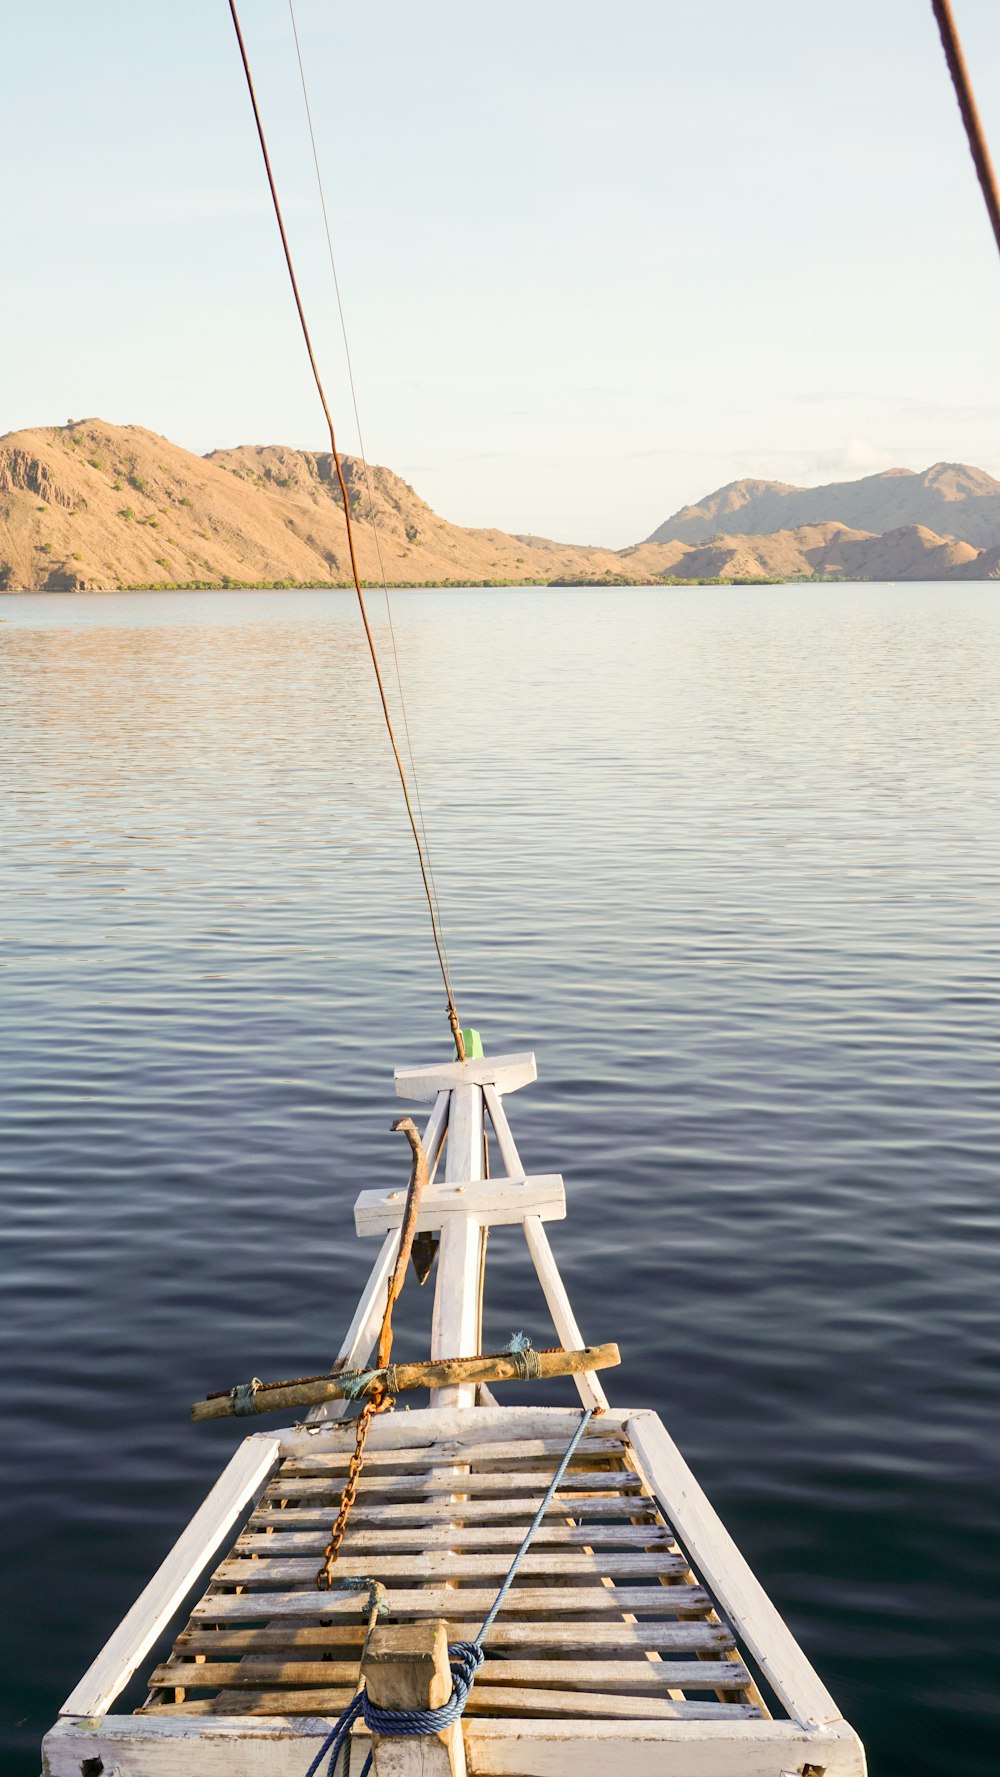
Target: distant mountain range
(90, 505)
(949, 498)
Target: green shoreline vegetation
(225, 584)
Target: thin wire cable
(453, 1018)
(368, 476)
(970, 114)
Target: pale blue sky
(596, 259)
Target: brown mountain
(90, 505)
(93, 505)
(826, 550)
(951, 499)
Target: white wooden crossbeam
(489, 1201)
(282, 1746)
(508, 1073)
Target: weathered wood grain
(438, 1601)
(448, 1564)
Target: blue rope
(465, 1657)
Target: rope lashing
(525, 1357)
(243, 1397)
(378, 1597)
(464, 1657)
(355, 1383)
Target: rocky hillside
(950, 499)
(91, 506)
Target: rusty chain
(377, 1404)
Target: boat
(509, 1590)
(634, 1637)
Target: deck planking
(605, 1621)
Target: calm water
(729, 861)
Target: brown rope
(970, 114)
(453, 1018)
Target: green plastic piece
(473, 1044)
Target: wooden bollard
(406, 1667)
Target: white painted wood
(317, 1458)
(435, 1131)
(424, 1426)
(501, 1129)
(186, 1746)
(362, 1334)
(276, 1746)
(508, 1073)
(563, 1319)
(492, 1201)
(243, 1479)
(359, 1341)
(463, 1156)
(658, 1749)
(727, 1572)
(455, 1321)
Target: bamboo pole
(503, 1366)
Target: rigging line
(368, 477)
(453, 1019)
(970, 114)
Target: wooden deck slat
(603, 1446)
(493, 1485)
(670, 1636)
(437, 1601)
(627, 1508)
(620, 1675)
(445, 1564)
(502, 1538)
(498, 1700)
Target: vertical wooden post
(455, 1323)
(406, 1667)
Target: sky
(596, 260)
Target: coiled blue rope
(465, 1657)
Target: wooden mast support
(406, 1667)
(455, 1320)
